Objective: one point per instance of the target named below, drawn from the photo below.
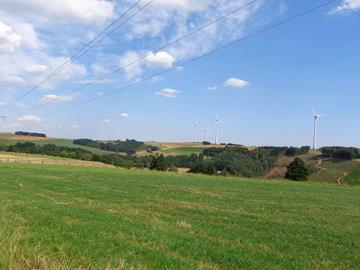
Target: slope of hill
(56, 217)
(10, 139)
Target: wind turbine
(3, 118)
(196, 125)
(316, 119)
(217, 123)
(205, 133)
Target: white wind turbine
(316, 120)
(205, 130)
(217, 123)
(196, 125)
(3, 118)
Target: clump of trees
(237, 160)
(32, 134)
(129, 147)
(294, 151)
(340, 153)
(297, 170)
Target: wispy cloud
(55, 98)
(168, 93)
(236, 83)
(347, 5)
(29, 118)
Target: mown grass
(83, 218)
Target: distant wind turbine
(3, 118)
(217, 123)
(196, 125)
(316, 119)
(205, 133)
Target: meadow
(59, 217)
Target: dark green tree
(159, 163)
(297, 170)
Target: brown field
(12, 136)
(173, 145)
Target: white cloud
(36, 69)
(9, 40)
(75, 126)
(133, 70)
(106, 121)
(98, 69)
(236, 83)
(11, 80)
(347, 5)
(55, 98)
(84, 11)
(29, 118)
(167, 20)
(168, 93)
(212, 88)
(185, 5)
(99, 94)
(160, 60)
(124, 115)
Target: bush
(159, 163)
(297, 170)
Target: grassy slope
(64, 218)
(353, 178)
(9, 139)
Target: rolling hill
(10, 138)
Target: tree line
(340, 153)
(32, 134)
(130, 147)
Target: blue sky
(264, 89)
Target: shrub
(297, 170)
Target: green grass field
(184, 150)
(54, 217)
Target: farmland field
(58, 217)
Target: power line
(266, 29)
(219, 19)
(83, 50)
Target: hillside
(56, 217)
(322, 169)
(10, 138)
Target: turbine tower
(196, 125)
(3, 118)
(316, 119)
(205, 133)
(217, 123)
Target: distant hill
(11, 138)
